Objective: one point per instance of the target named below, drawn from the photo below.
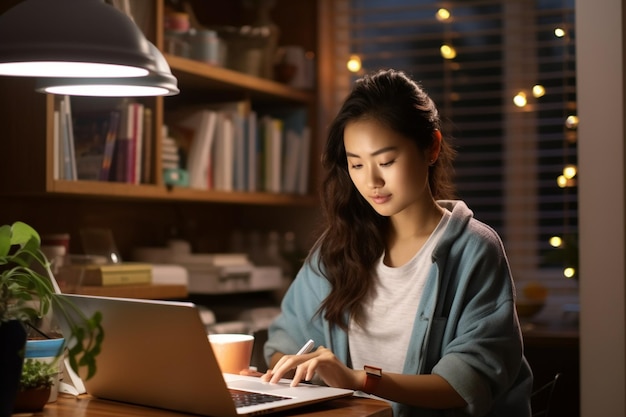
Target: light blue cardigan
(468, 328)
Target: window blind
(510, 156)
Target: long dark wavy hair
(353, 234)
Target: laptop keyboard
(247, 398)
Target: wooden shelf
(146, 291)
(144, 192)
(198, 76)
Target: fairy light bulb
(571, 122)
(556, 241)
(442, 14)
(569, 172)
(354, 63)
(520, 99)
(569, 272)
(539, 91)
(447, 51)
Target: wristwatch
(373, 375)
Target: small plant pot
(31, 400)
(49, 351)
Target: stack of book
(125, 273)
(103, 144)
(229, 147)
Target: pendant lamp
(72, 38)
(157, 83)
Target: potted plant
(34, 387)
(27, 293)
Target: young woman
(406, 295)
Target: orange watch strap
(373, 375)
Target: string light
(570, 171)
(443, 15)
(520, 99)
(571, 122)
(354, 63)
(569, 272)
(539, 91)
(563, 182)
(556, 241)
(559, 32)
(447, 51)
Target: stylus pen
(308, 346)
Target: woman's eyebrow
(377, 152)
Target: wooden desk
(86, 406)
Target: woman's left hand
(323, 362)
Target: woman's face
(389, 171)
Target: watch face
(374, 371)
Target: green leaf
(21, 233)
(5, 241)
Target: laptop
(156, 353)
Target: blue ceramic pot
(44, 348)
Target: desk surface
(86, 406)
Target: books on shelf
(109, 145)
(272, 137)
(230, 147)
(65, 164)
(252, 152)
(125, 273)
(103, 144)
(291, 147)
(147, 170)
(128, 153)
(223, 146)
(90, 135)
(304, 155)
(230, 156)
(200, 129)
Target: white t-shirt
(389, 316)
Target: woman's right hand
(322, 362)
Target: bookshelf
(27, 180)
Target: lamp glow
(157, 83)
(69, 69)
(107, 90)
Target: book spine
(99, 277)
(109, 146)
(148, 142)
(138, 110)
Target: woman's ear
(435, 147)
